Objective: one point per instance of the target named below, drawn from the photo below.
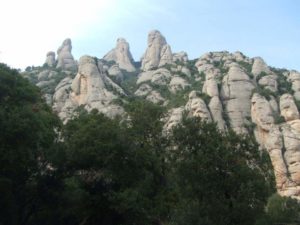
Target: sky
(266, 28)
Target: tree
(115, 168)
(283, 210)
(219, 176)
(27, 137)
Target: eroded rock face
(288, 108)
(115, 71)
(236, 93)
(269, 82)
(121, 55)
(50, 59)
(180, 56)
(177, 84)
(216, 110)
(259, 66)
(91, 88)
(197, 107)
(294, 78)
(65, 59)
(160, 76)
(210, 86)
(158, 52)
(173, 119)
(280, 140)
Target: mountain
(230, 89)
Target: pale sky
(266, 28)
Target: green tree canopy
(219, 176)
(27, 135)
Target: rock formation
(65, 59)
(236, 93)
(91, 88)
(281, 140)
(294, 78)
(197, 107)
(180, 56)
(121, 55)
(232, 90)
(259, 66)
(158, 52)
(50, 60)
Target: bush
(283, 210)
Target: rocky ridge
(232, 90)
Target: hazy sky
(266, 28)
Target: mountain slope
(230, 89)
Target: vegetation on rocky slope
(97, 170)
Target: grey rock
(158, 52)
(50, 59)
(121, 55)
(65, 59)
(180, 56)
(197, 107)
(259, 66)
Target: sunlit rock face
(197, 107)
(259, 66)
(65, 59)
(280, 139)
(121, 55)
(91, 88)
(236, 94)
(158, 52)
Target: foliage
(190, 64)
(27, 140)
(120, 169)
(297, 102)
(247, 67)
(218, 178)
(98, 170)
(278, 119)
(284, 86)
(265, 92)
(129, 81)
(282, 210)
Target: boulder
(269, 82)
(259, 66)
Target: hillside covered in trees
(94, 169)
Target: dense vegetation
(96, 170)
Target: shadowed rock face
(65, 59)
(158, 52)
(121, 55)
